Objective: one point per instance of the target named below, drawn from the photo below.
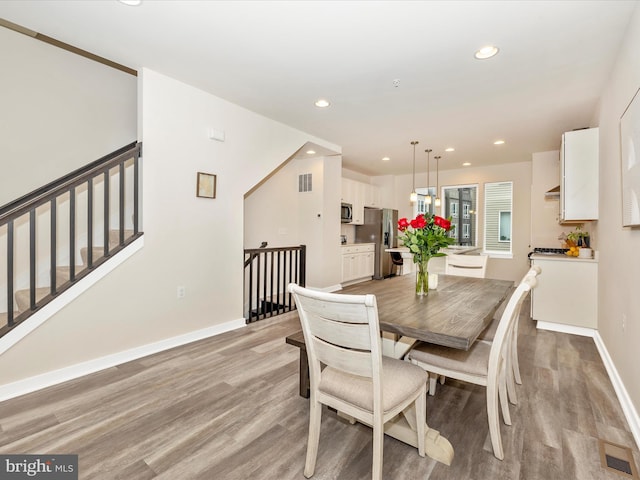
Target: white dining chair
(513, 369)
(343, 333)
(483, 364)
(466, 265)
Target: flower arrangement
(425, 235)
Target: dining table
(453, 315)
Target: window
(461, 199)
(498, 200)
(421, 206)
(504, 227)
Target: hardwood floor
(228, 408)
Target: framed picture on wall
(206, 185)
(630, 162)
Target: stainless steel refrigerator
(380, 227)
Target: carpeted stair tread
(22, 297)
(114, 237)
(4, 317)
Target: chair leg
(503, 396)
(421, 420)
(442, 379)
(433, 381)
(378, 441)
(492, 415)
(315, 418)
(514, 353)
(510, 379)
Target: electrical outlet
(624, 321)
(182, 291)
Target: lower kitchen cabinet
(357, 262)
(567, 291)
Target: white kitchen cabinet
(359, 190)
(567, 291)
(357, 262)
(579, 175)
(372, 196)
(354, 193)
(347, 190)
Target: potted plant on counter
(576, 240)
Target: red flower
(442, 222)
(420, 221)
(403, 224)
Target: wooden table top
(453, 315)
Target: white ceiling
(277, 58)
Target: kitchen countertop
(448, 250)
(560, 257)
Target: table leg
(403, 427)
(304, 374)
(395, 346)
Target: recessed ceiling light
(322, 103)
(466, 164)
(131, 3)
(486, 52)
(385, 159)
(450, 149)
(498, 142)
(310, 152)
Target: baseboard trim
(68, 296)
(38, 382)
(562, 328)
(629, 410)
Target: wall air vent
(304, 183)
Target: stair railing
(268, 271)
(26, 211)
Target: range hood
(553, 193)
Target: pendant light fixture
(427, 199)
(437, 202)
(414, 196)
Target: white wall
(619, 247)
(545, 174)
(59, 111)
(519, 173)
(545, 212)
(189, 241)
(277, 213)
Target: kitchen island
(436, 264)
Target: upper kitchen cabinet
(360, 195)
(579, 175)
(373, 196)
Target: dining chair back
(466, 265)
(342, 332)
(483, 364)
(396, 261)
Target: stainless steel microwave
(346, 213)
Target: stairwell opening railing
(45, 229)
(267, 272)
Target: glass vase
(422, 278)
